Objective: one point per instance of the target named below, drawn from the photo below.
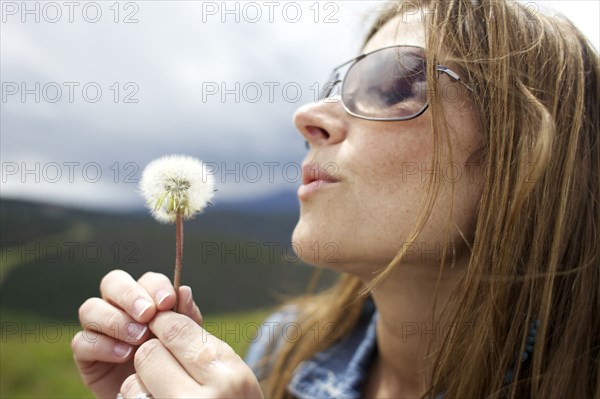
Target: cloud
(179, 80)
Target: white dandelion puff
(176, 187)
(176, 183)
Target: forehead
(406, 29)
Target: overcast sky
(92, 91)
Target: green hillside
(53, 258)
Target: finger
(187, 306)
(91, 346)
(133, 387)
(120, 289)
(161, 289)
(162, 373)
(98, 315)
(198, 351)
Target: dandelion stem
(178, 255)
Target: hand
(116, 325)
(185, 361)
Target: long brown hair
(535, 250)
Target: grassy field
(36, 359)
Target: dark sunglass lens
(389, 83)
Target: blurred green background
(238, 262)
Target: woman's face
(359, 223)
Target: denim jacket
(336, 372)
(340, 370)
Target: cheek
(387, 172)
(385, 190)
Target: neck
(405, 327)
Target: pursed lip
(314, 172)
(315, 178)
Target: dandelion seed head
(175, 183)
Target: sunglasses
(388, 84)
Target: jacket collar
(340, 370)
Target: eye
(406, 82)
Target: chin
(316, 245)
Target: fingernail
(161, 296)
(136, 330)
(140, 306)
(189, 300)
(122, 350)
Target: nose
(323, 122)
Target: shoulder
(270, 337)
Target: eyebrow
(417, 51)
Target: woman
(465, 212)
